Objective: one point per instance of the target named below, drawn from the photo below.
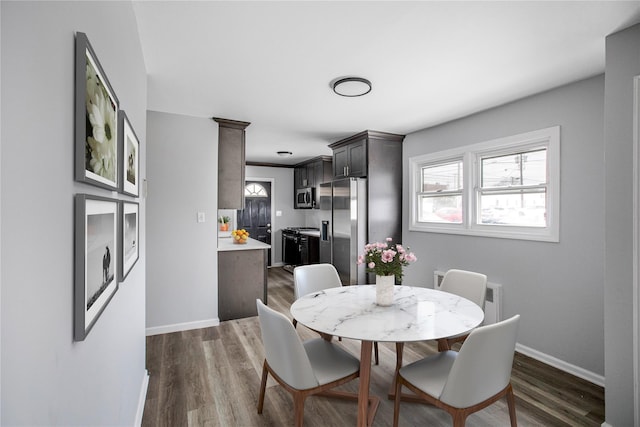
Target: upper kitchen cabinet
(322, 170)
(356, 156)
(231, 163)
(350, 160)
(378, 157)
(310, 174)
(300, 177)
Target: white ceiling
(271, 63)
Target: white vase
(384, 289)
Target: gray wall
(283, 194)
(47, 378)
(556, 287)
(182, 285)
(182, 268)
(622, 64)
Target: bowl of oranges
(240, 236)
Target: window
(513, 189)
(508, 187)
(254, 190)
(440, 198)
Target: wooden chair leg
(263, 387)
(459, 418)
(375, 352)
(326, 337)
(298, 408)
(511, 402)
(443, 344)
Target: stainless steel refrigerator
(343, 227)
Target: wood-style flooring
(211, 377)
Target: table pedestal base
(367, 406)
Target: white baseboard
(562, 365)
(178, 327)
(142, 398)
(605, 424)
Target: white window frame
(548, 138)
(442, 161)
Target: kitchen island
(242, 277)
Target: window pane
(519, 208)
(528, 168)
(255, 190)
(447, 209)
(442, 177)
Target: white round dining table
(417, 314)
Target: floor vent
(493, 301)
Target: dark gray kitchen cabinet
(322, 171)
(312, 173)
(350, 160)
(231, 163)
(242, 278)
(378, 157)
(301, 177)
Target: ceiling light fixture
(284, 153)
(352, 86)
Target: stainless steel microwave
(305, 197)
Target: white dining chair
(466, 284)
(314, 278)
(469, 285)
(467, 381)
(302, 368)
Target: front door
(256, 215)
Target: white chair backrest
(284, 350)
(313, 278)
(483, 365)
(467, 284)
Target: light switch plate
(200, 216)
(278, 213)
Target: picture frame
(129, 157)
(96, 259)
(96, 120)
(129, 237)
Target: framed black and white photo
(129, 237)
(96, 120)
(129, 157)
(96, 259)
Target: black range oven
(298, 248)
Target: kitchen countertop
(226, 244)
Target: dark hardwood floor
(211, 377)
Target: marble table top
(417, 314)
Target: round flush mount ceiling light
(352, 86)
(284, 153)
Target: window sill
(503, 232)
